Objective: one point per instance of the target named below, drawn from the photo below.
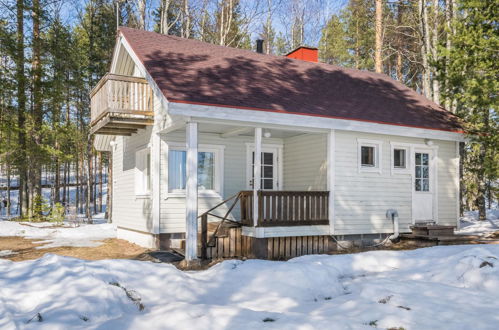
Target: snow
(53, 235)
(444, 287)
(470, 225)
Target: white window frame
(407, 148)
(218, 180)
(378, 153)
(142, 172)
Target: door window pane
(267, 170)
(367, 156)
(177, 170)
(425, 159)
(422, 172)
(399, 158)
(268, 158)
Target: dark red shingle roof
(192, 71)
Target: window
(142, 172)
(369, 155)
(399, 158)
(209, 169)
(177, 170)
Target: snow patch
(457, 285)
(53, 235)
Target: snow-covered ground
(470, 225)
(449, 287)
(52, 235)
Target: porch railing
(286, 208)
(121, 94)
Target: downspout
(393, 215)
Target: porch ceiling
(245, 131)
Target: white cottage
(288, 151)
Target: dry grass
(113, 248)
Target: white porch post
(331, 149)
(257, 175)
(191, 192)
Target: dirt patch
(113, 248)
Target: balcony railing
(123, 97)
(286, 208)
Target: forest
(53, 52)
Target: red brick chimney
(305, 54)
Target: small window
(399, 156)
(367, 156)
(143, 172)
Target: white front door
(423, 185)
(269, 170)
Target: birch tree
(378, 59)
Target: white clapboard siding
(304, 166)
(448, 188)
(129, 211)
(361, 199)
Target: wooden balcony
(121, 105)
(286, 208)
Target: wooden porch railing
(121, 94)
(286, 208)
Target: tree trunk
(8, 188)
(141, 6)
(88, 212)
(21, 108)
(163, 22)
(434, 52)
(65, 174)
(399, 63)
(36, 166)
(186, 21)
(378, 56)
(448, 46)
(425, 45)
(77, 177)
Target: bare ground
(113, 248)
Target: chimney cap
(259, 46)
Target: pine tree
(471, 72)
(333, 46)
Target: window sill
(181, 194)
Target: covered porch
(284, 190)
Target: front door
(269, 171)
(423, 186)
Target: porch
(227, 238)
(273, 184)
